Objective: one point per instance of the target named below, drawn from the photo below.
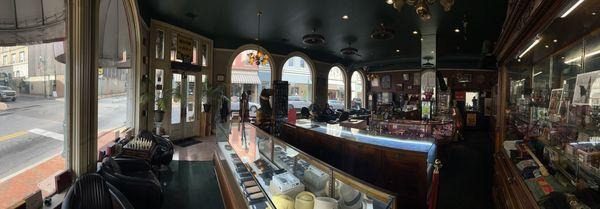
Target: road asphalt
(31, 129)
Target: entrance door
(184, 105)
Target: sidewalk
(40, 176)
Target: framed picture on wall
(375, 82)
(386, 81)
(220, 78)
(406, 77)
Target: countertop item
(325, 203)
(305, 200)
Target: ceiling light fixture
(586, 56)
(258, 58)
(555, 40)
(571, 9)
(421, 6)
(546, 46)
(456, 30)
(313, 38)
(382, 33)
(415, 32)
(537, 41)
(345, 17)
(348, 51)
(397, 50)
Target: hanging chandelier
(259, 58)
(421, 6)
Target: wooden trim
(231, 195)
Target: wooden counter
(400, 166)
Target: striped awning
(245, 77)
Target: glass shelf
(284, 173)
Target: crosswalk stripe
(46, 133)
(13, 135)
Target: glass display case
(269, 173)
(434, 130)
(553, 115)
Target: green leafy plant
(214, 93)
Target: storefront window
(336, 88)
(248, 75)
(33, 80)
(299, 78)
(116, 83)
(357, 91)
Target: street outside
(31, 129)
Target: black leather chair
(163, 154)
(91, 191)
(134, 178)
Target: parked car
(235, 106)
(356, 103)
(297, 102)
(6, 93)
(335, 104)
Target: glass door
(184, 123)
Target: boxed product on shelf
(287, 184)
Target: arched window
(249, 75)
(357, 91)
(299, 76)
(336, 88)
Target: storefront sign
(471, 119)
(185, 49)
(460, 96)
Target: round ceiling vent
(382, 33)
(348, 51)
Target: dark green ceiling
(232, 23)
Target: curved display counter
(256, 170)
(402, 166)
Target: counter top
(352, 134)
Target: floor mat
(186, 142)
(191, 184)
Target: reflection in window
(176, 99)
(248, 76)
(191, 98)
(299, 78)
(159, 45)
(357, 90)
(336, 88)
(116, 83)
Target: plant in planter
(162, 101)
(214, 93)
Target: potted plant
(214, 93)
(161, 102)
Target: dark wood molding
(525, 19)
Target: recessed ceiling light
(415, 32)
(546, 46)
(421, 39)
(389, 2)
(555, 40)
(345, 17)
(519, 60)
(397, 50)
(456, 30)
(433, 52)
(593, 13)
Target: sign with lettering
(185, 49)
